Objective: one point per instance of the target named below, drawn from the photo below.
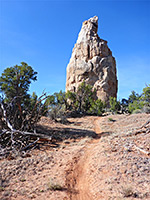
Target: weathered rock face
(92, 62)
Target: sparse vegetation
(136, 111)
(129, 192)
(111, 119)
(22, 179)
(52, 185)
(19, 111)
(80, 102)
(146, 109)
(2, 188)
(140, 103)
(97, 108)
(114, 105)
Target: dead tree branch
(142, 150)
(18, 133)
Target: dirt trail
(108, 167)
(87, 166)
(77, 179)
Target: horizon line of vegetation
(14, 87)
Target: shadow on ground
(60, 134)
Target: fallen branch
(34, 135)
(17, 141)
(29, 145)
(142, 129)
(144, 125)
(141, 150)
(16, 122)
(139, 132)
(5, 117)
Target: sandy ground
(92, 158)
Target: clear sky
(43, 33)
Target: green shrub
(57, 111)
(97, 107)
(81, 100)
(84, 97)
(114, 104)
(133, 97)
(55, 187)
(146, 109)
(146, 95)
(137, 111)
(111, 119)
(136, 105)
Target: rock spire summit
(92, 61)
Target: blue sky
(43, 33)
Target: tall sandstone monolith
(92, 62)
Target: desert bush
(84, 98)
(137, 111)
(81, 100)
(136, 105)
(139, 103)
(58, 113)
(111, 119)
(54, 185)
(146, 109)
(124, 106)
(96, 108)
(114, 105)
(57, 107)
(71, 100)
(133, 97)
(146, 95)
(84, 101)
(61, 99)
(127, 192)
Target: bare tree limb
(141, 150)
(29, 145)
(5, 117)
(144, 125)
(16, 137)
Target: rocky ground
(92, 158)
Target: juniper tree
(146, 95)
(114, 104)
(14, 84)
(15, 81)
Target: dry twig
(142, 150)
(12, 140)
